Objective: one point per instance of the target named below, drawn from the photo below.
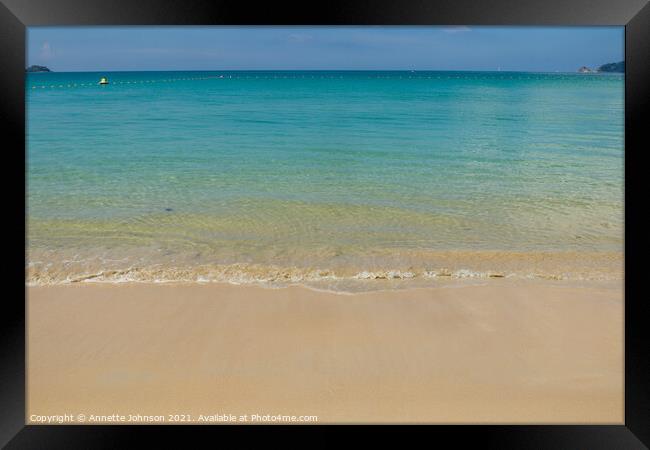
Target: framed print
(293, 218)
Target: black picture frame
(16, 15)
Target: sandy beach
(500, 352)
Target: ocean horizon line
(334, 70)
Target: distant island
(613, 67)
(38, 69)
(618, 67)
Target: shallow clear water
(320, 172)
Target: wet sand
(501, 352)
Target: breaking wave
(273, 276)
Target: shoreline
(370, 286)
(416, 268)
(499, 352)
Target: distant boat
(103, 80)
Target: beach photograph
(324, 225)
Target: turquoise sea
(325, 178)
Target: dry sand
(503, 352)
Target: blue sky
(347, 48)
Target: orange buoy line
(43, 86)
(223, 77)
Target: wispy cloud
(371, 39)
(47, 52)
(457, 29)
(170, 52)
(299, 37)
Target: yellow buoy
(103, 80)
